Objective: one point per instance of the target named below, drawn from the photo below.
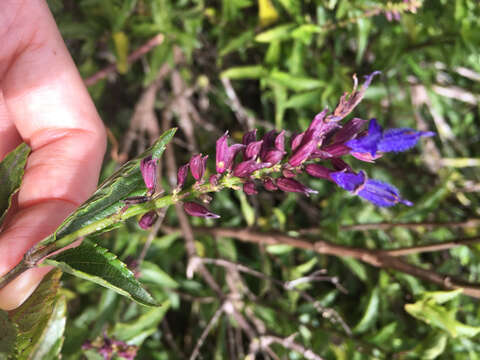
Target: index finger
(52, 111)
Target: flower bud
(249, 188)
(288, 173)
(252, 150)
(274, 156)
(268, 143)
(249, 137)
(213, 179)
(148, 168)
(269, 185)
(349, 130)
(336, 150)
(198, 166)
(247, 167)
(280, 141)
(147, 220)
(221, 153)
(318, 171)
(195, 209)
(302, 153)
(340, 165)
(292, 185)
(182, 176)
(297, 140)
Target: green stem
(41, 251)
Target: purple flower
(288, 173)
(147, 220)
(182, 176)
(198, 166)
(402, 139)
(292, 185)
(269, 185)
(249, 188)
(247, 167)
(349, 130)
(368, 143)
(348, 180)
(225, 154)
(396, 140)
(195, 209)
(381, 194)
(148, 168)
(318, 171)
(375, 191)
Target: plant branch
(134, 56)
(377, 258)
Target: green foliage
(108, 199)
(94, 263)
(40, 321)
(285, 60)
(11, 173)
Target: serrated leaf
(371, 313)
(11, 174)
(40, 321)
(94, 263)
(8, 333)
(148, 320)
(107, 200)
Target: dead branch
(377, 258)
(134, 56)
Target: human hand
(43, 102)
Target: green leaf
(107, 200)
(279, 32)
(148, 320)
(247, 210)
(94, 263)
(430, 309)
(432, 347)
(152, 273)
(295, 83)
(371, 313)
(11, 174)
(8, 333)
(244, 72)
(41, 321)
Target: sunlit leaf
(41, 321)
(94, 263)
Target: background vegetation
(226, 285)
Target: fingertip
(19, 290)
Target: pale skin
(43, 102)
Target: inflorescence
(266, 162)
